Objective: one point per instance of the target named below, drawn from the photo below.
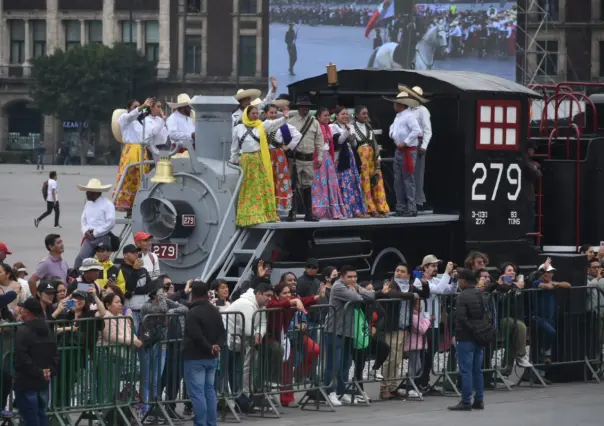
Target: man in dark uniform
(292, 51)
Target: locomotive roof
(434, 81)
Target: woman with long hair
(250, 150)
(327, 200)
(8, 282)
(348, 174)
(371, 175)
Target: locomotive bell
(163, 172)
(332, 74)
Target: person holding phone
(111, 274)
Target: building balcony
(80, 5)
(10, 5)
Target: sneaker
(58, 226)
(188, 411)
(400, 393)
(378, 376)
(36, 222)
(362, 398)
(333, 398)
(462, 406)
(478, 405)
(385, 396)
(414, 394)
(522, 362)
(150, 420)
(346, 399)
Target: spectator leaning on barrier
(339, 333)
(595, 298)
(470, 317)
(46, 292)
(36, 362)
(308, 282)
(53, 265)
(21, 272)
(110, 274)
(397, 322)
(138, 282)
(203, 339)
(142, 240)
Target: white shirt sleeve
(128, 117)
(109, 211)
(270, 125)
(426, 127)
(296, 137)
(270, 97)
(83, 222)
(174, 129)
(235, 144)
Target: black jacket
(307, 285)
(468, 312)
(137, 281)
(35, 350)
(203, 329)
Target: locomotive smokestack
(213, 126)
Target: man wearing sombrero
(181, 126)
(245, 97)
(98, 219)
(404, 131)
(422, 115)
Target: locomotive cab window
(498, 125)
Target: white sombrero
(248, 93)
(280, 103)
(94, 185)
(256, 102)
(115, 125)
(415, 93)
(403, 98)
(182, 100)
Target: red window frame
(492, 125)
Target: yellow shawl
(265, 154)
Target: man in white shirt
(405, 131)
(98, 219)
(142, 240)
(423, 119)
(52, 200)
(244, 97)
(181, 127)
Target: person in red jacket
(276, 331)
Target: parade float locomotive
(474, 180)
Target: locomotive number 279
(480, 174)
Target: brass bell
(332, 74)
(163, 172)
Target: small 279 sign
(188, 220)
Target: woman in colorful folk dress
(281, 139)
(348, 173)
(251, 151)
(372, 183)
(326, 197)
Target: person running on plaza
(304, 161)
(142, 240)
(404, 131)
(181, 123)
(20, 273)
(346, 167)
(36, 362)
(372, 183)
(245, 97)
(111, 274)
(204, 337)
(282, 139)
(422, 115)
(4, 251)
(98, 219)
(250, 150)
(327, 201)
(52, 200)
(128, 130)
(51, 266)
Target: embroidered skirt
(256, 202)
(326, 196)
(350, 187)
(282, 179)
(130, 154)
(375, 195)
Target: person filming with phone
(138, 282)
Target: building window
(73, 34)
(547, 58)
(152, 40)
(95, 32)
(247, 56)
(17, 41)
(39, 38)
(129, 32)
(192, 54)
(601, 47)
(194, 6)
(498, 125)
(248, 6)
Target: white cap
(550, 268)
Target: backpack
(483, 329)
(45, 190)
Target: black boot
(291, 216)
(307, 196)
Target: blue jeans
(404, 184)
(32, 407)
(340, 362)
(469, 357)
(199, 378)
(548, 335)
(152, 367)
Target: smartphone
(84, 287)
(507, 279)
(418, 274)
(70, 304)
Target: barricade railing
(289, 354)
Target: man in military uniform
(292, 51)
(303, 156)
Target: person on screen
(292, 50)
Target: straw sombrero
(182, 100)
(256, 102)
(115, 125)
(280, 103)
(94, 185)
(404, 99)
(416, 92)
(248, 93)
